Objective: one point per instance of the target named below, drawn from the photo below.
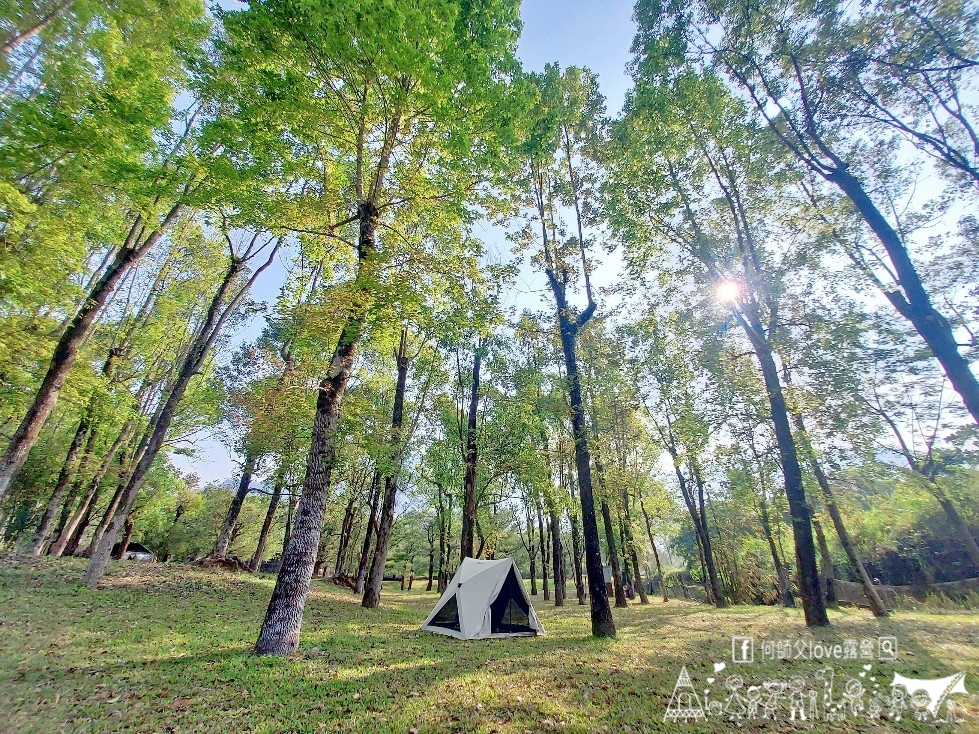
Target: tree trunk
(346, 527)
(652, 542)
(825, 565)
(630, 543)
(805, 549)
(431, 559)
(217, 316)
(283, 619)
(16, 38)
(557, 557)
(369, 533)
(853, 555)
(372, 591)
(579, 581)
(69, 504)
(126, 466)
(66, 351)
(39, 542)
(613, 553)
(168, 548)
(470, 457)
(244, 487)
(130, 527)
(912, 300)
(544, 558)
(259, 555)
(602, 623)
(531, 545)
(784, 586)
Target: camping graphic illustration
(685, 703)
(842, 698)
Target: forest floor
(168, 648)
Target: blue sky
(597, 35)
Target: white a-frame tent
(484, 599)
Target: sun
(727, 291)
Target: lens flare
(728, 291)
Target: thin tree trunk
(652, 542)
(912, 300)
(877, 605)
(805, 548)
(71, 537)
(613, 553)
(531, 548)
(372, 590)
(125, 467)
(76, 485)
(346, 527)
(579, 581)
(168, 548)
(287, 531)
(259, 555)
(544, 559)
(471, 457)
(957, 523)
(130, 527)
(39, 542)
(16, 38)
(369, 534)
(784, 586)
(217, 316)
(557, 557)
(231, 518)
(431, 557)
(601, 614)
(66, 352)
(826, 565)
(283, 619)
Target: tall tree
(395, 96)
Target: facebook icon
(743, 649)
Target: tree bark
(346, 527)
(39, 542)
(825, 565)
(259, 556)
(372, 591)
(71, 536)
(531, 548)
(602, 623)
(207, 334)
(912, 300)
(613, 554)
(579, 581)
(544, 559)
(805, 549)
(283, 619)
(130, 527)
(470, 457)
(877, 605)
(784, 585)
(557, 557)
(66, 352)
(231, 518)
(369, 534)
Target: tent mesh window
(448, 616)
(510, 612)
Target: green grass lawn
(168, 648)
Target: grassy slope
(167, 648)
